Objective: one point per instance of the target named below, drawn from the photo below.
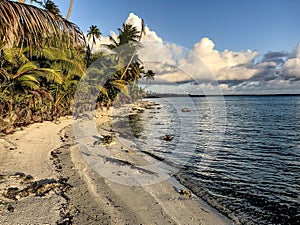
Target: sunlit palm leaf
(22, 23)
(50, 75)
(103, 90)
(29, 81)
(25, 68)
(121, 85)
(14, 56)
(30, 68)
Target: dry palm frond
(22, 24)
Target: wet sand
(45, 179)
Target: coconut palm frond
(29, 81)
(64, 60)
(30, 68)
(50, 74)
(121, 85)
(14, 56)
(52, 7)
(26, 24)
(4, 75)
(24, 69)
(103, 90)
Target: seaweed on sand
(38, 188)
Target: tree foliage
(27, 25)
(44, 58)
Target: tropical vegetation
(44, 57)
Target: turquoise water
(241, 154)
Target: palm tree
(124, 80)
(149, 75)
(26, 25)
(40, 63)
(129, 35)
(70, 10)
(93, 33)
(51, 7)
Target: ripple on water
(251, 172)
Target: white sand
(93, 199)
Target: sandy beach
(44, 179)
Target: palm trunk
(70, 9)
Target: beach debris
(28, 178)
(138, 109)
(104, 140)
(107, 139)
(121, 162)
(129, 151)
(10, 208)
(22, 176)
(38, 188)
(167, 137)
(18, 175)
(120, 173)
(142, 106)
(186, 193)
(149, 107)
(185, 110)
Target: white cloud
(226, 65)
(137, 22)
(291, 67)
(236, 71)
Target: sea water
(241, 154)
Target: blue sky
(259, 25)
(247, 46)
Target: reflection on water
(247, 164)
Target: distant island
(170, 95)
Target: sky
(233, 46)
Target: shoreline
(78, 194)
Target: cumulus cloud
(226, 65)
(207, 68)
(277, 57)
(137, 22)
(291, 67)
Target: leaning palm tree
(27, 25)
(70, 9)
(128, 35)
(94, 34)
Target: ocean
(241, 154)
